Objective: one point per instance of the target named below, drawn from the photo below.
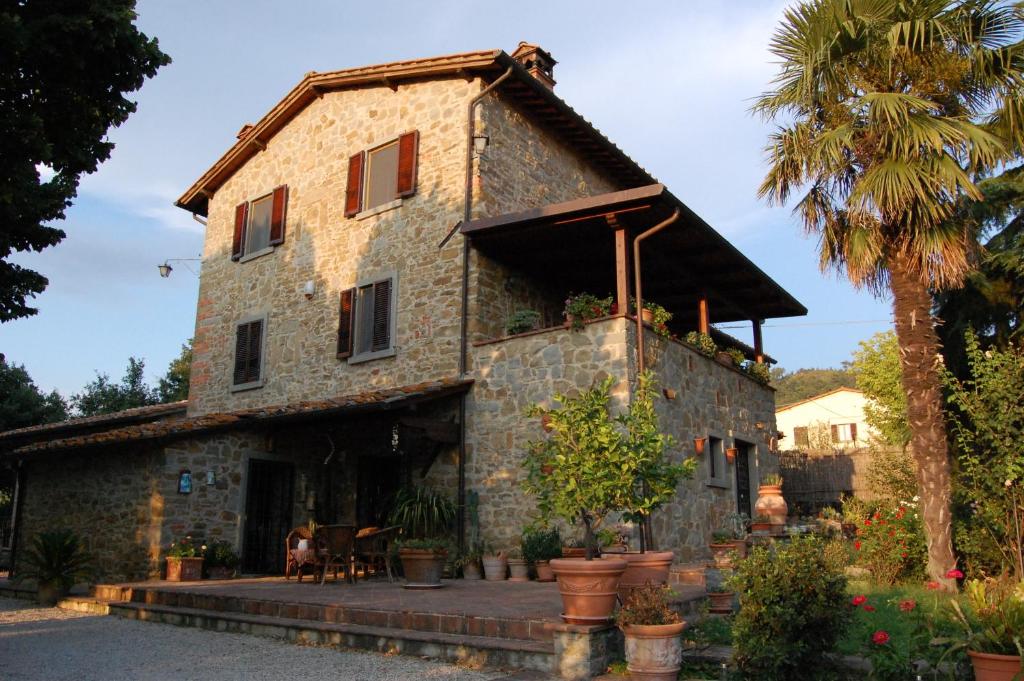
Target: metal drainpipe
(646, 536)
(463, 325)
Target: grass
(887, 615)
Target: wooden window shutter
(278, 214)
(853, 432)
(238, 241)
(835, 433)
(381, 316)
(354, 188)
(248, 347)
(408, 150)
(346, 320)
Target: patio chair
(298, 560)
(339, 544)
(374, 549)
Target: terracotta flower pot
(757, 526)
(472, 571)
(588, 588)
(495, 568)
(544, 572)
(731, 453)
(647, 316)
(992, 667)
(654, 651)
(519, 569)
(721, 602)
(422, 567)
(652, 566)
(771, 504)
(722, 554)
(184, 569)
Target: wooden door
(268, 516)
(743, 478)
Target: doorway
(743, 477)
(379, 479)
(268, 516)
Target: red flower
(858, 600)
(933, 586)
(878, 516)
(954, 574)
(869, 608)
(907, 605)
(868, 521)
(856, 545)
(880, 638)
(903, 555)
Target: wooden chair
(338, 542)
(374, 549)
(299, 561)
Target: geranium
(880, 637)
(856, 545)
(954, 574)
(859, 600)
(933, 586)
(869, 608)
(907, 604)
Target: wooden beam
(758, 344)
(621, 271)
(704, 323)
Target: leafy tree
(173, 387)
(105, 397)
(66, 68)
(890, 109)
(22, 404)
(805, 383)
(876, 365)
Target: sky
(670, 83)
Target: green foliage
(186, 547)
(992, 616)
(522, 321)
(986, 418)
(647, 605)
(104, 397)
(660, 317)
(22, 404)
(793, 611)
(806, 383)
(220, 553)
(173, 387)
(58, 558)
(737, 357)
(422, 512)
(891, 475)
(890, 543)
(760, 372)
(704, 343)
(435, 544)
(542, 544)
(876, 366)
(67, 67)
(771, 479)
(586, 306)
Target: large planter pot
(495, 568)
(588, 588)
(544, 572)
(422, 567)
(472, 571)
(721, 602)
(722, 554)
(771, 504)
(651, 566)
(654, 651)
(992, 667)
(48, 593)
(220, 572)
(184, 569)
(757, 526)
(519, 569)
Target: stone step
(692, 575)
(477, 651)
(85, 604)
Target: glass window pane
(257, 236)
(382, 176)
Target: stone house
(367, 242)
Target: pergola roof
(571, 245)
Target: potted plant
(56, 561)
(185, 561)
(761, 524)
(522, 321)
(495, 566)
(720, 602)
(737, 523)
(655, 315)
(731, 454)
(612, 540)
(592, 473)
(702, 343)
(541, 546)
(737, 357)
(518, 567)
(770, 502)
(991, 620)
(423, 562)
(469, 562)
(581, 308)
(574, 548)
(722, 547)
(652, 633)
(220, 560)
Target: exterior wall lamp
(480, 143)
(165, 268)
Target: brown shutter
(381, 316)
(238, 241)
(255, 350)
(408, 150)
(345, 323)
(278, 214)
(241, 353)
(354, 190)
(853, 432)
(248, 346)
(835, 433)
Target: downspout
(16, 505)
(646, 536)
(464, 322)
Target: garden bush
(793, 610)
(890, 543)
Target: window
(844, 432)
(259, 224)
(382, 175)
(250, 337)
(800, 437)
(366, 321)
(717, 470)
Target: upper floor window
(801, 438)
(259, 224)
(366, 321)
(250, 339)
(383, 174)
(844, 432)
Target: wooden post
(758, 344)
(621, 271)
(704, 323)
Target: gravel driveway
(47, 644)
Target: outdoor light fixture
(165, 270)
(480, 143)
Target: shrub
(220, 554)
(793, 610)
(542, 544)
(703, 343)
(522, 321)
(56, 558)
(585, 306)
(890, 543)
(186, 547)
(647, 605)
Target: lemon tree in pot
(652, 632)
(56, 561)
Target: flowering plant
(890, 543)
(186, 548)
(585, 306)
(900, 640)
(991, 619)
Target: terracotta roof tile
(138, 413)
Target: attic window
(382, 175)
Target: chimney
(538, 62)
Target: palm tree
(889, 111)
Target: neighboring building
(833, 420)
(368, 240)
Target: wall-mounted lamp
(480, 143)
(309, 289)
(211, 478)
(166, 269)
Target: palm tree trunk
(920, 359)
